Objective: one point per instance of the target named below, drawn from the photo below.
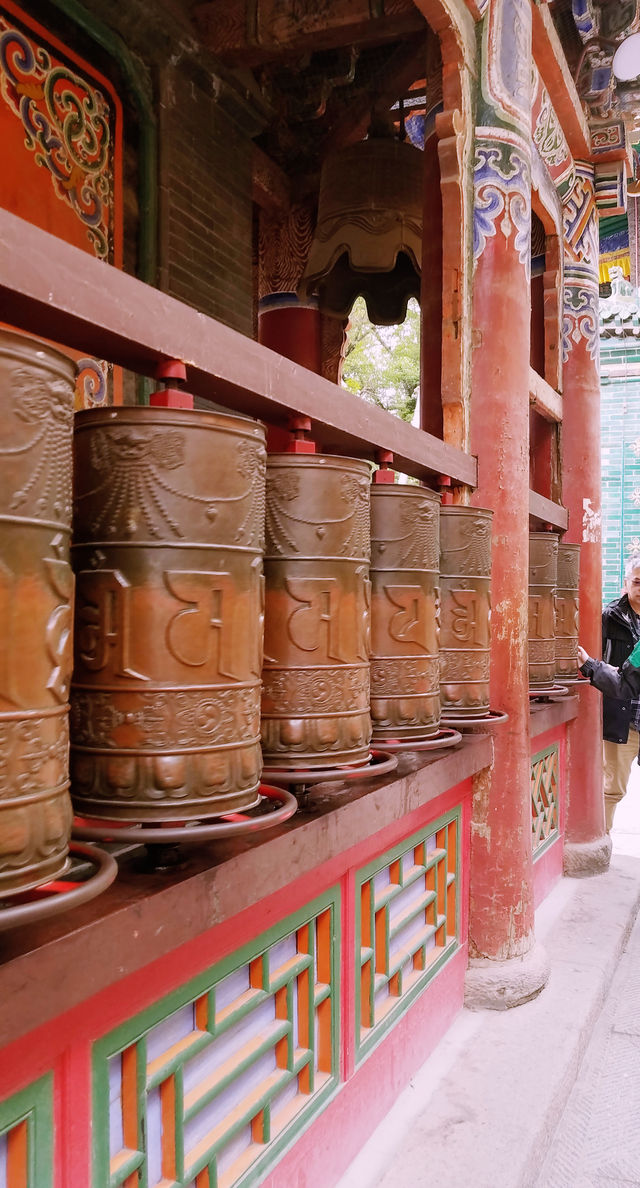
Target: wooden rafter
(251, 34)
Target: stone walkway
(597, 1143)
(546, 1095)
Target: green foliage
(382, 363)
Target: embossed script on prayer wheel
(165, 702)
(36, 587)
(465, 590)
(315, 700)
(543, 578)
(567, 612)
(405, 672)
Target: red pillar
(587, 846)
(506, 967)
(292, 329)
(285, 324)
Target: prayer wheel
(169, 522)
(465, 585)
(36, 588)
(567, 612)
(543, 579)
(405, 672)
(315, 700)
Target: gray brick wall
(206, 203)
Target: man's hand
(582, 656)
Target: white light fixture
(626, 60)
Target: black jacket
(618, 683)
(619, 637)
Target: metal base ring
(51, 899)
(436, 742)
(380, 763)
(227, 825)
(550, 691)
(493, 718)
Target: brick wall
(206, 222)
(205, 125)
(620, 412)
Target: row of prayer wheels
(228, 609)
(553, 610)
(199, 646)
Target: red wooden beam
(59, 292)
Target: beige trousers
(616, 762)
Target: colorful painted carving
(502, 190)
(550, 140)
(67, 125)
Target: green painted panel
(33, 1105)
(545, 799)
(224, 1073)
(410, 939)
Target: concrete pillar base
(583, 859)
(500, 985)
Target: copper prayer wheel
(36, 588)
(465, 586)
(168, 537)
(567, 612)
(315, 700)
(543, 579)
(405, 672)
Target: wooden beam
(270, 186)
(544, 399)
(550, 513)
(402, 67)
(243, 34)
(59, 292)
(554, 71)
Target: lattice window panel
(207, 1092)
(26, 1137)
(407, 925)
(544, 798)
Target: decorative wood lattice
(544, 798)
(206, 1093)
(26, 1134)
(407, 925)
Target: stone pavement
(546, 1095)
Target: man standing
(620, 719)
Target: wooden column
(506, 968)
(587, 846)
(431, 293)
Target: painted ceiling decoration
(550, 140)
(602, 26)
